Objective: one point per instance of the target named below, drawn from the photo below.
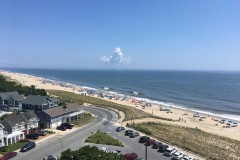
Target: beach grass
(102, 138)
(131, 113)
(206, 144)
(83, 119)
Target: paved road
(104, 121)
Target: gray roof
(14, 95)
(57, 111)
(54, 99)
(35, 100)
(23, 117)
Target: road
(104, 121)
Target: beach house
(1, 135)
(10, 101)
(17, 126)
(53, 117)
(37, 103)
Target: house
(55, 101)
(54, 117)
(17, 126)
(1, 135)
(11, 100)
(37, 103)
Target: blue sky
(120, 34)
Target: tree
(89, 153)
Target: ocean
(213, 93)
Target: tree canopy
(8, 86)
(89, 153)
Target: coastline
(186, 115)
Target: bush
(4, 149)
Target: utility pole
(146, 152)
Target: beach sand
(186, 116)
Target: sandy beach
(209, 123)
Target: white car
(104, 149)
(170, 151)
(187, 158)
(177, 155)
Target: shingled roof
(34, 100)
(23, 117)
(57, 111)
(13, 94)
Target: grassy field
(83, 119)
(12, 147)
(103, 138)
(130, 112)
(206, 144)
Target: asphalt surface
(104, 122)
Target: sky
(120, 34)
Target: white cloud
(117, 57)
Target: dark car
(162, 148)
(50, 157)
(131, 156)
(8, 155)
(41, 132)
(127, 132)
(28, 146)
(62, 128)
(149, 142)
(133, 134)
(143, 139)
(32, 136)
(68, 125)
(156, 145)
(119, 129)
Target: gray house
(10, 101)
(37, 103)
(17, 126)
(53, 117)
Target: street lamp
(60, 141)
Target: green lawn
(83, 119)
(12, 147)
(102, 138)
(208, 145)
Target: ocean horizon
(211, 92)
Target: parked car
(67, 125)
(8, 155)
(131, 156)
(170, 151)
(156, 145)
(41, 132)
(177, 155)
(127, 132)
(133, 134)
(51, 157)
(119, 129)
(149, 142)
(33, 136)
(143, 139)
(187, 158)
(28, 146)
(62, 128)
(162, 148)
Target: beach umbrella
(230, 121)
(235, 123)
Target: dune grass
(83, 119)
(208, 145)
(102, 138)
(130, 112)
